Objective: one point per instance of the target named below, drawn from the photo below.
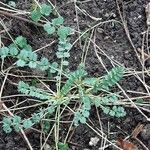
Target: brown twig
(3, 13)
(141, 143)
(136, 132)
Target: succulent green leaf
(113, 98)
(63, 32)
(86, 113)
(21, 41)
(36, 15)
(53, 67)
(112, 113)
(46, 9)
(66, 54)
(36, 117)
(77, 116)
(32, 64)
(4, 52)
(51, 109)
(27, 123)
(119, 111)
(44, 64)
(16, 123)
(13, 50)
(82, 115)
(65, 63)
(83, 120)
(32, 91)
(16, 120)
(32, 59)
(106, 110)
(23, 55)
(74, 76)
(7, 121)
(27, 48)
(62, 146)
(7, 128)
(59, 54)
(49, 28)
(58, 21)
(91, 81)
(21, 63)
(97, 102)
(66, 46)
(86, 102)
(140, 101)
(46, 126)
(112, 77)
(61, 48)
(33, 56)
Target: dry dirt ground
(109, 39)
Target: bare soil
(111, 38)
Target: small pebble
(113, 14)
(145, 133)
(106, 37)
(107, 15)
(93, 141)
(47, 147)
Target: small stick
(20, 18)
(141, 143)
(136, 132)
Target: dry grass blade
(4, 13)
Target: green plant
(17, 123)
(62, 146)
(90, 98)
(32, 91)
(37, 13)
(55, 26)
(68, 86)
(76, 81)
(22, 51)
